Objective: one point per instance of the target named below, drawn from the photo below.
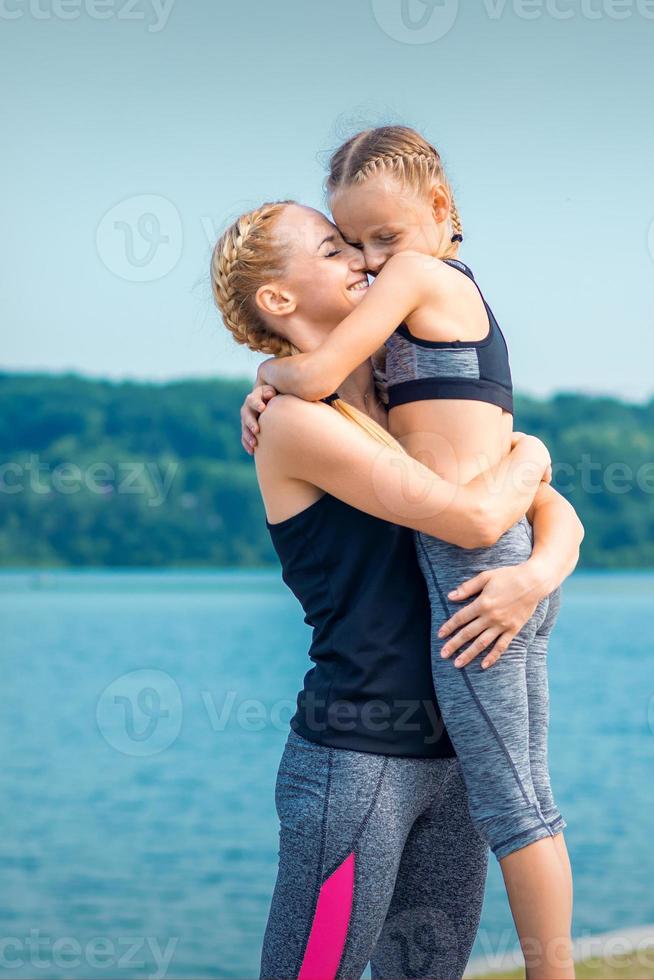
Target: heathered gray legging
(497, 719)
(379, 861)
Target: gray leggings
(379, 861)
(497, 719)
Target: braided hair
(396, 150)
(245, 257)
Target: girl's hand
(251, 409)
(506, 599)
(540, 453)
(296, 374)
(262, 374)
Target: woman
(379, 860)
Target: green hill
(99, 473)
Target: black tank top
(357, 577)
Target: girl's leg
(487, 718)
(539, 711)
(434, 914)
(344, 818)
(538, 885)
(521, 869)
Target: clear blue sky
(200, 109)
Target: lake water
(142, 719)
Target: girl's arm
(558, 534)
(397, 291)
(311, 443)
(251, 409)
(507, 597)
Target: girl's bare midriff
(455, 438)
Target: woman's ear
(441, 202)
(274, 300)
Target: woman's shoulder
(287, 426)
(286, 415)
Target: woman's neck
(360, 391)
(359, 387)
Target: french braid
(396, 150)
(245, 257)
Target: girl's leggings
(379, 861)
(497, 719)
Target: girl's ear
(274, 300)
(441, 202)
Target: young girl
(450, 400)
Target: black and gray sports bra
(476, 370)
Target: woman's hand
(251, 409)
(507, 599)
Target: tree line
(132, 474)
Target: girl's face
(323, 274)
(382, 216)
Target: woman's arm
(311, 443)
(507, 597)
(397, 291)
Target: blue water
(142, 718)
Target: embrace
(425, 543)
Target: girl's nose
(374, 260)
(356, 262)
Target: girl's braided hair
(403, 153)
(400, 152)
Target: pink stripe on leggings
(330, 924)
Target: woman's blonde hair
(400, 152)
(246, 257)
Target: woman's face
(381, 217)
(323, 273)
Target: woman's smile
(359, 286)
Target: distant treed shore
(98, 473)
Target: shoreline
(601, 945)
